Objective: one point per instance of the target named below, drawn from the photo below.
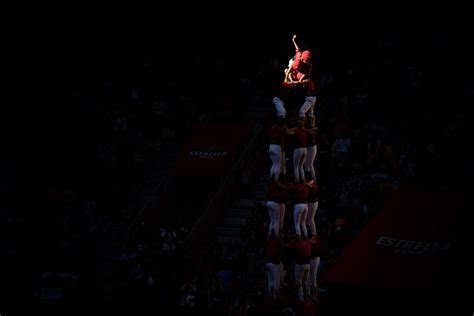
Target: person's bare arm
(294, 43)
(291, 131)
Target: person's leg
(309, 161)
(275, 156)
(304, 214)
(313, 272)
(301, 164)
(299, 271)
(273, 212)
(270, 279)
(307, 105)
(276, 279)
(310, 219)
(305, 279)
(298, 210)
(298, 155)
(310, 112)
(283, 163)
(282, 215)
(280, 106)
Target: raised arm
(294, 43)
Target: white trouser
(307, 107)
(301, 279)
(276, 157)
(274, 273)
(280, 106)
(283, 162)
(313, 272)
(299, 216)
(309, 160)
(310, 219)
(299, 155)
(282, 215)
(274, 213)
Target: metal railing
(204, 228)
(139, 214)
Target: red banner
(405, 245)
(211, 148)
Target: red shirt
(278, 135)
(299, 193)
(302, 250)
(275, 193)
(310, 87)
(315, 249)
(273, 250)
(300, 139)
(313, 193)
(298, 67)
(311, 138)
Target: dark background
(54, 59)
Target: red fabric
(311, 138)
(278, 135)
(273, 249)
(310, 87)
(210, 149)
(315, 249)
(299, 193)
(285, 86)
(405, 244)
(302, 248)
(275, 193)
(295, 66)
(313, 192)
(301, 134)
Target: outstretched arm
(294, 43)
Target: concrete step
(228, 232)
(237, 212)
(232, 222)
(226, 240)
(244, 203)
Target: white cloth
(274, 213)
(276, 158)
(310, 219)
(274, 272)
(280, 106)
(313, 272)
(301, 279)
(299, 217)
(299, 156)
(308, 106)
(309, 160)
